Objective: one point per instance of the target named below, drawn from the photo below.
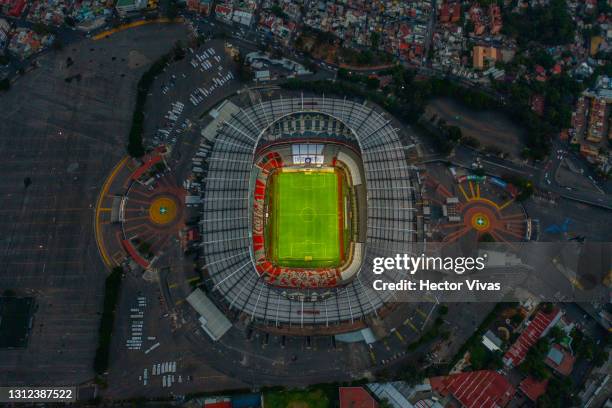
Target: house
(200, 6)
(13, 8)
(495, 19)
(537, 104)
(125, 7)
(450, 12)
(224, 12)
(540, 73)
(597, 120)
(475, 14)
(560, 360)
(588, 150)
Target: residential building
(125, 7)
(483, 389)
(537, 328)
(5, 28)
(200, 6)
(484, 57)
(560, 360)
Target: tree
(375, 40)
(365, 57)
(469, 26)
(559, 393)
(486, 237)
(245, 73)
(5, 84)
(144, 247)
(41, 29)
(470, 141)
(178, 50)
(556, 334)
(112, 287)
(549, 25)
(533, 364)
(57, 44)
(482, 358)
(372, 83)
(172, 10)
(278, 11)
(69, 21)
(454, 133)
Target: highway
(492, 165)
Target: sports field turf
(304, 219)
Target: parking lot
(187, 89)
(61, 141)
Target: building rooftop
(560, 360)
(356, 397)
(537, 328)
(482, 389)
(533, 388)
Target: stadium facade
(379, 211)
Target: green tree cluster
(135, 145)
(112, 288)
(550, 25)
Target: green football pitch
(305, 232)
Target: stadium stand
(231, 230)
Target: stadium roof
(475, 389)
(214, 323)
(537, 328)
(227, 210)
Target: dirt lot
(491, 128)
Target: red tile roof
(150, 162)
(220, 404)
(533, 388)
(356, 397)
(566, 365)
(482, 389)
(537, 328)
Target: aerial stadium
(300, 195)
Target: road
(495, 166)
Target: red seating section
(276, 275)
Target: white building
(125, 7)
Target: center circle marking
(162, 211)
(480, 221)
(307, 214)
